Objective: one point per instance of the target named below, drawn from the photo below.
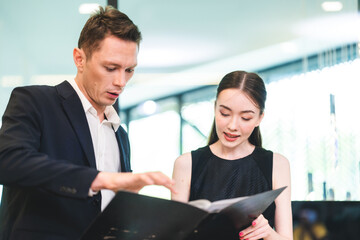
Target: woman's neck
(233, 153)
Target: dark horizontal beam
(113, 3)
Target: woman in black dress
(234, 164)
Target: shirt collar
(110, 112)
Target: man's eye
(130, 70)
(110, 69)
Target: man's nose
(120, 80)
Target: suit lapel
(123, 156)
(75, 113)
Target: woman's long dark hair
(253, 86)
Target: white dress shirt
(106, 149)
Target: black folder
(131, 216)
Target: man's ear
(79, 58)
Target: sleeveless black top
(214, 178)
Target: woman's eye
(224, 114)
(246, 119)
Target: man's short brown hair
(107, 22)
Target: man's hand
(132, 182)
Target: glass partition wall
(310, 117)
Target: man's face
(106, 73)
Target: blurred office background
(307, 51)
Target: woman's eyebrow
(225, 107)
(245, 111)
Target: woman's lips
(230, 137)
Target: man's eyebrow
(118, 65)
(111, 63)
(133, 66)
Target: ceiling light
(51, 80)
(88, 8)
(148, 108)
(333, 6)
(290, 47)
(11, 81)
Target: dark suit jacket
(47, 165)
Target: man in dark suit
(63, 153)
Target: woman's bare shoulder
(280, 160)
(183, 160)
(281, 171)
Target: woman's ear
(260, 119)
(79, 58)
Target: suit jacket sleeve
(27, 160)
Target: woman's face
(236, 116)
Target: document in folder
(131, 216)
